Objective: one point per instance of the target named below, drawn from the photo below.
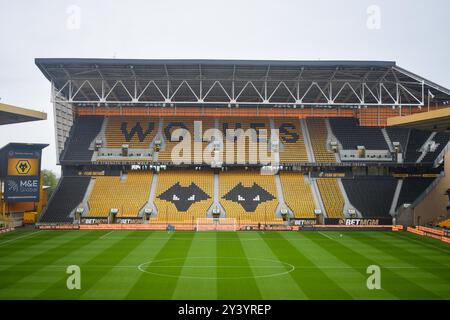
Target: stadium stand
(318, 135)
(372, 196)
(293, 141)
(169, 126)
(400, 135)
(250, 149)
(331, 196)
(416, 140)
(412, 188)
(441, 139)
(248, 196)
(128, 194)
(298, 194)
(66, 198)
(137, 132)
(82, 133)
(183, 196)
(351, 135)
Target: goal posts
(216, 224)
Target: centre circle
(216, 268)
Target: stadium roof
(11, 114)
(257, 82)
(435, 120)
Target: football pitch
(221, 265)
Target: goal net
(216, 224)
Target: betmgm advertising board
(22, 179)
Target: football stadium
(235, 179)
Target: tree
(50, 180)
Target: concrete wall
(433, 208)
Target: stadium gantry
(116, 119)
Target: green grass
(225, 265)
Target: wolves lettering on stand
(137, 129)
(286, 135)
(170, 126)
(183, 197)
(248, 197)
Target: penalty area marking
(275, 274)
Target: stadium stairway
(282, 206)
(216, 202)
(394, 204)
(307, 140)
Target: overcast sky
(415, 34)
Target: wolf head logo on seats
(136, 130)
(183, 197)
(248, 197)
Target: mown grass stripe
(312, 280)
(414, 258)
(117, 282)
(204, 285)
(343, 274)
(113, 251)
(280, 285)
(428, 243)
(13, 275)
(230, 255)
(392, 282)
(151, 286)
(28, 244)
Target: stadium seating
(128, 195)
(416, 140)
(318, 134)
(412, 188)
(137, 132)
(331, 196)
(351, 135)
(183, 195)
(67, 197)
(293, 141)
(441, 138)
(82, 133)
(298, 194)
(372, 196)
(170, 125)
(250, 148)
(400, 135)
(248, 196)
